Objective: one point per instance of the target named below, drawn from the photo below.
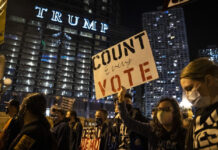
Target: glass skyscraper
(49, 44)
(167, 34)
(210, 51)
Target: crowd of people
(29, 129)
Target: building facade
(167, 34)
(211, 52)
(49, 44)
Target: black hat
(13, 102)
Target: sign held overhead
(128, 63)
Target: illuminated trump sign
(71, 19)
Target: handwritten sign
(90, 144)
(128, 63)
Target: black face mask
(98, 121)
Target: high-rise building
(167, 34)
(49, 44)
(211, 52)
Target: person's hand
(121, 94)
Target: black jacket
(34, 136)
(168, 141)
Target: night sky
(201, 17)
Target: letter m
(88, 25)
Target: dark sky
(201, 17)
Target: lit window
(86, 34)
(53, 27)
(17, 19)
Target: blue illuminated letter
(88, 25)
(104, 27)
(56, 16)
(70, 18)
(40, 12)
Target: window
(64, 86)
(28, 63)
(70, 31)
(53, 27)
(86, 34)
(84, 60)
(45, 83)
(84, 50)
(64, 93)
(80, 81)
(66, 52)
(12, 48)
(26, 68)
(82, 55)
(51, 49)
(17, 19)
(13, 37)
(29, 57)
(33, 46)
(49, 66)
(68, 47)
(26, 74)
(35, 23)
(78, 70)
(21, 88)
(65, 79)
(66, 74)
(30, 51)
(46, 71)
(83, 76)
(45, 90)
(12, 42)
(31, 40)
(33, 35)
(85, 66)
(25, 81)
(67, 63)
(81, 87)
(81, 94)
(46, 77)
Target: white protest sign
(128, 63)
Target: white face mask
(165, 117)
(197, 100)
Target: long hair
(177, 118)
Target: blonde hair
(199, 68)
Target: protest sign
(128, 63)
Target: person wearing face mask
(165, 131)
(199, 80)
(123, 137)
(103, 128)
(35, 134)
(75, 130)
(12, 127)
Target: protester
(103, 129)
(35, 134)
(165, 131)
(60, 129)
(75, 130)
(12, 127)
(122, 137)
(199, 80)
